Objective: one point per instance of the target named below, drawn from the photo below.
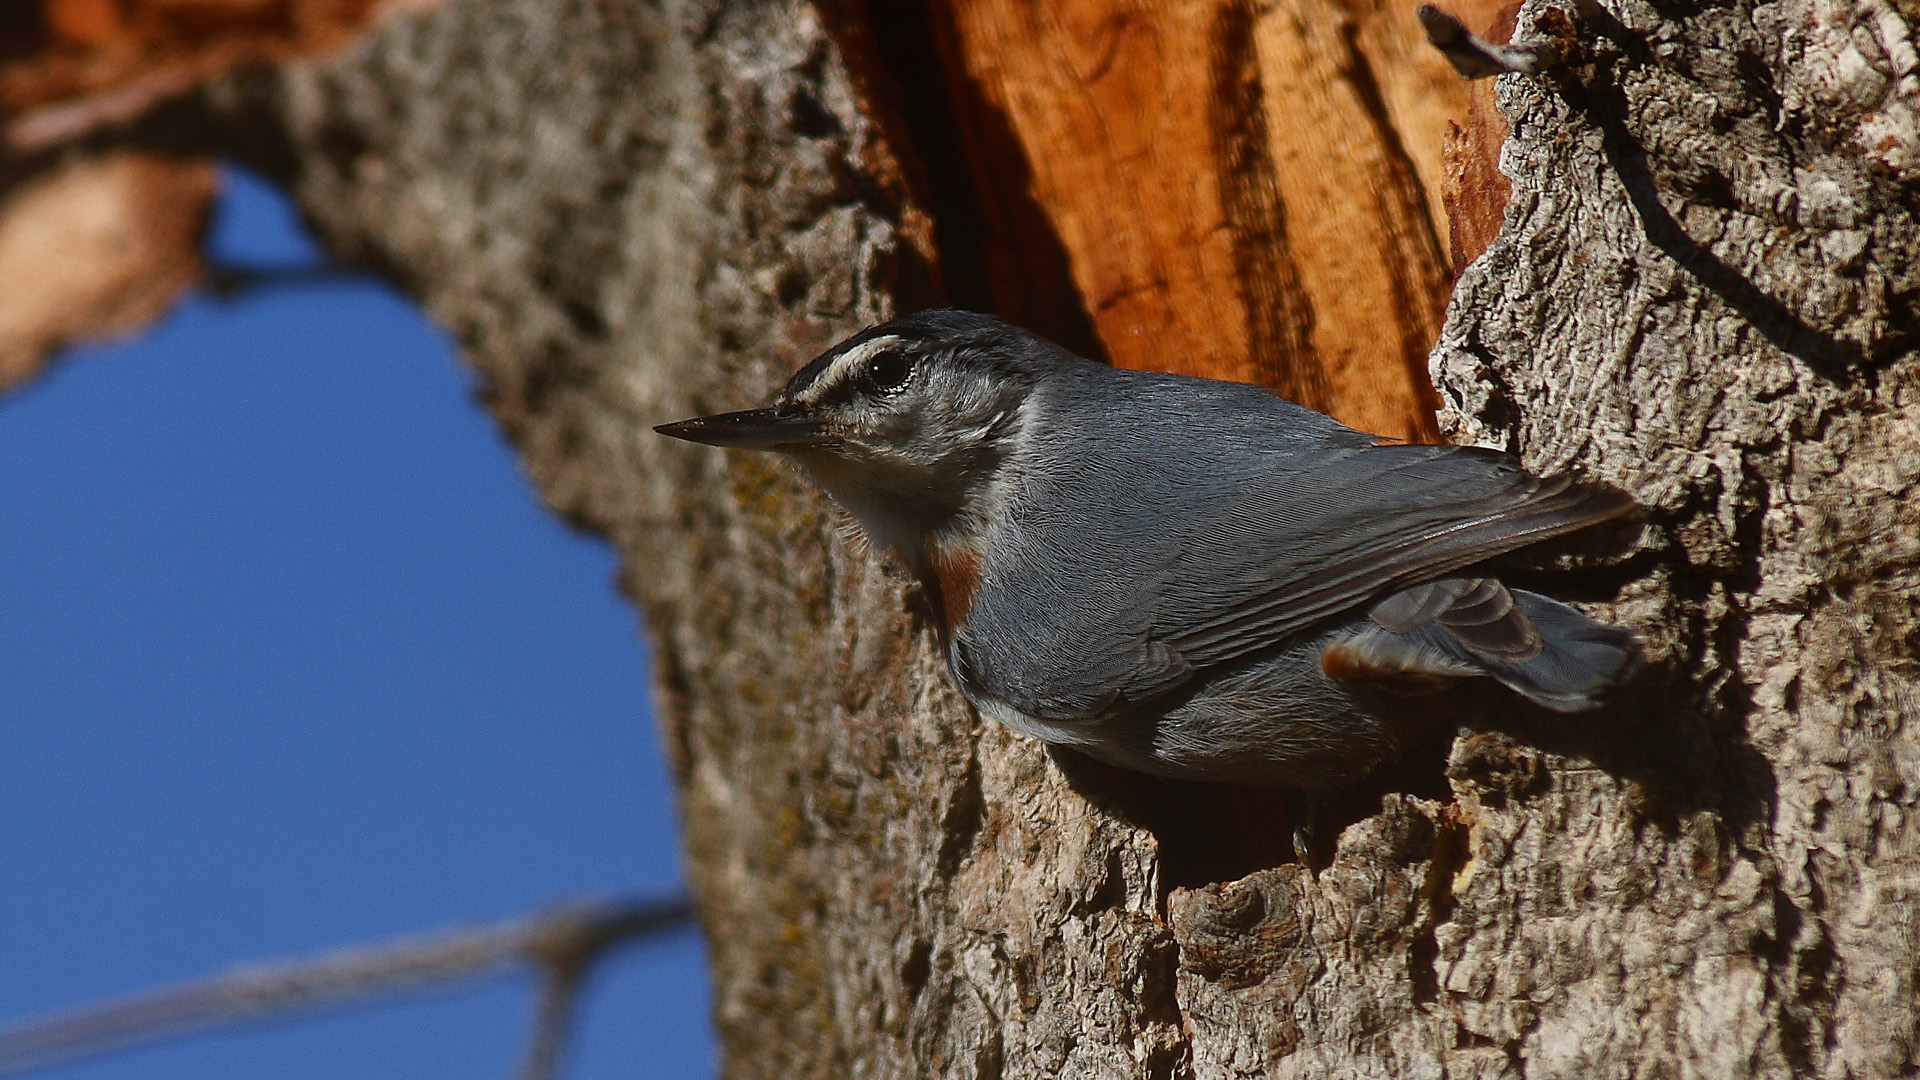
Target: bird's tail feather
(1579, 659)
(1453, 628)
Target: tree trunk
(1702, 290)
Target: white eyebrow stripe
(845, 365)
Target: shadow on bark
(1603, 99)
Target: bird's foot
(1306, 811)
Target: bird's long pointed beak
(755, 429)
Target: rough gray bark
(1705, 292)
(635, 211)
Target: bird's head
(911, 425)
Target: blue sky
(291, 659)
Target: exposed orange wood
(1422, 93)
(96, 249)
(83, 63)
(1094, 128)
(1475, 191)
(1245, 191)
(102, 246)
(1357, 219)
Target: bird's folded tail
(1580, 659)
(1456, 627)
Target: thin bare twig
(564, 939)
(228, 281)
(552, 1022)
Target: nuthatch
(1181, 576)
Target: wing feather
(1122, 572)
(1387, 551)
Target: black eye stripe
(840, 393)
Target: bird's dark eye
(888, 371)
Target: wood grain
(1473, 190)
(1244, 191)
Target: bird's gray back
(1176, 525)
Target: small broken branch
(552, 1021)
(228, 282)
(561, 943)
(1475, 57)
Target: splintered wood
(96, 249)
(1243, 191)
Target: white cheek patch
(845, 366)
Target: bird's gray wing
(1295, 549)
(1127, 599)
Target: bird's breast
(951, 575)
